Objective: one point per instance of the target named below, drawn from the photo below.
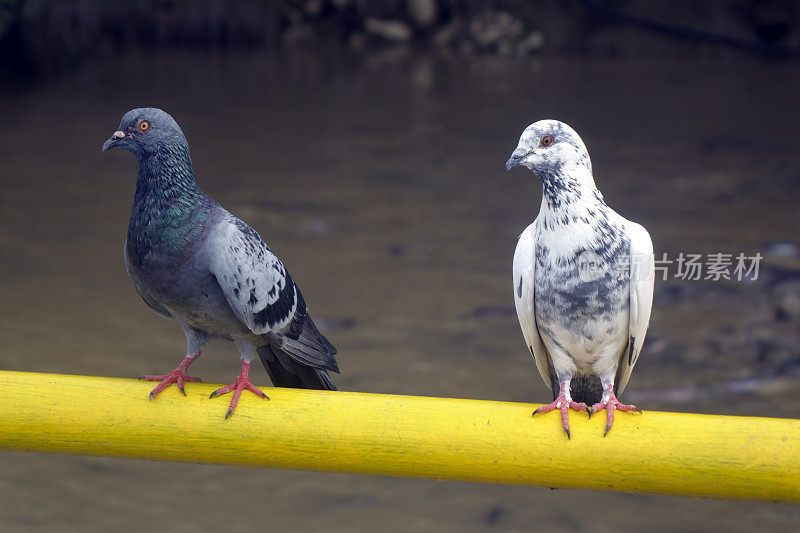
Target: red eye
(547, 141)
(144, 125)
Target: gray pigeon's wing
(254, 281)
(642, 272)
(264, 296)
(152, 304)
(524, 275)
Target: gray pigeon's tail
(284, 371)
(301, 357)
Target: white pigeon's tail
(585, 388)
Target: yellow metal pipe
(441, 438)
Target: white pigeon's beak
(516, 158)
(113, 142)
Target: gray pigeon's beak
(114, 140)
(516, 158)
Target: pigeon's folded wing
(524, 271)
(255, 283)
(642, 276)
(264, 296)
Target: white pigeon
(583, 279)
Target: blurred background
(365, 141)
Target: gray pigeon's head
(144, 131)
(546, 146)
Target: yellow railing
(441, 438)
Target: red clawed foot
(177, 376)
(241, 383)
(610, 406)
(564, 406)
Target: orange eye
(144, 126)
(547, 141)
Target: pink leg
(564, 406)
(611, 405)
(241, 383)
(177, 376)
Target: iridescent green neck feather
(169, 209)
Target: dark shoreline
(38, 39)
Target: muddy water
(381, 186)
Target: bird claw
(242, 383)
(578, 406)
(563, 405)
(223, 390)
(612, 405)
(177, 376)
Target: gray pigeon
(583, 279)
(193, 261)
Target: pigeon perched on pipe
(193, 261)
(583, 279)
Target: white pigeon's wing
(524, 269)
(642, 272)
(254, 281)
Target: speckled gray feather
(193, 261)
(583, 315)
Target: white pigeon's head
(546, 147)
